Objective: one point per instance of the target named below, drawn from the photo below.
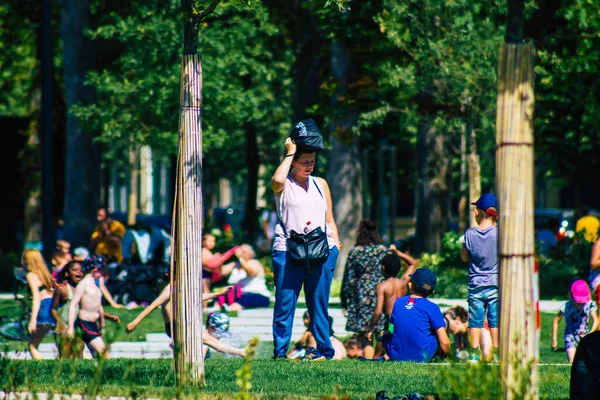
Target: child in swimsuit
(68, 279)
(42, 286)
(89, 319)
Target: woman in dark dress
(361, 276)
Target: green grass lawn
(271, 379)
(154, 324)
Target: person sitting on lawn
(208, 337)
(67, 280)
(355, 346)
(457, 319)
(577, 313)
(307, 341)
(419, 326)
(86, 312)
(389, 291)
(211, 263)
(248, 277)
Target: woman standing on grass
(303, 204)
(362, 274)
(42, 287)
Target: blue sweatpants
(288, 283)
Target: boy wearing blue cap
(419, 326)
(480, 250)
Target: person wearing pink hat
(577, 313)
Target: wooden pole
(186, 267)
(515, 183)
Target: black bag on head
(307, 136)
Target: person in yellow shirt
(589, 224)
(107, 237)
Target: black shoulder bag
(309, 249)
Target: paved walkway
(248, 324)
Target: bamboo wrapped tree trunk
(515, 184)
(186, 267)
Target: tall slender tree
(82, 157)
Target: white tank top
(300, 210)
(256, 285)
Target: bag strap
(323, 197)
(317, 186)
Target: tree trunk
(134, 185)
(463, 208)
(82, 165)
(474, 168)
(252, 165)
(519, 315)
(186, 270)
(433, 192)
(344, 168)
(307, 42)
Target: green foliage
(245, 81)
(244, 374)
(451, 272)
(567, 86)
(557, 274)
(17, 62)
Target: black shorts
(168, 329)
(89, 330)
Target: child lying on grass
(210, 334)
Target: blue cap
(424, 279)
(485, 202)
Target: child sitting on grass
(577, 313)
(307, 341)
(355, 346)
(419, 327)
(209, 337)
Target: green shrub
(451, 272)
(557, 273)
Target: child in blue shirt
(480, 250)
(419, 326)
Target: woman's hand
(290, 146)
(344, 312)
(554, 345)
(32, 327)
(71, 333)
